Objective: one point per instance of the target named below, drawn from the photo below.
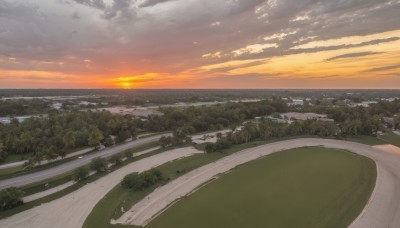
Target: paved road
(70, 211)
(71, 165)
(383, 209)
(12, 165)
(21, 163)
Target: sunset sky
(200, 44)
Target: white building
(297, 102)
(56, 105)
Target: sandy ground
(388, 148)
(71, 210)
(382, 210)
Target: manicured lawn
(391, 138)
(369, 140)
(305, 187)
(15, 158)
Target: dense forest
(23, 107)
(60, 132)
(48, 138)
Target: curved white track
(382, 210)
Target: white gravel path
(382, 210)
(71, 210)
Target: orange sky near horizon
(289, 58)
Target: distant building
(56, 105)
(5, 120)
(365, 104)
(142, 112)
(306, 116)
(8, 120)
(296, 102)
(86, 103)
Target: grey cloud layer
(145, 35)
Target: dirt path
(382, 210)
(71, 210)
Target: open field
(110, 206)
(305, 187)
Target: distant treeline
(23, 107)
(231, 93)
(60, 132)
(53, 136)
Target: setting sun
(126, 85)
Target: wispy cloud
(353, 55)
(149, 3)
(391, 67)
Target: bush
(223, 143)
(210, 147)
(99, 165)
(133, 181)
(129, 154)
(137, 182)
(80, 173)
(116, 159)
(10, 198)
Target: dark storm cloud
(353, 55)
(170, 38)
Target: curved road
(71, 210)
(382, 210)
(71, 165)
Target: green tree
(95, 138)
(10, 198)
(210, 147)
(165, 141)
(116, 159)
(62, 153)
(129, 154)
(99, 165)
(80, 173)
(133, 181)
(3, 152)
(69, 139)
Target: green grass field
(110, 206)
(369, 140)
(391, 138)
(305, 187)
